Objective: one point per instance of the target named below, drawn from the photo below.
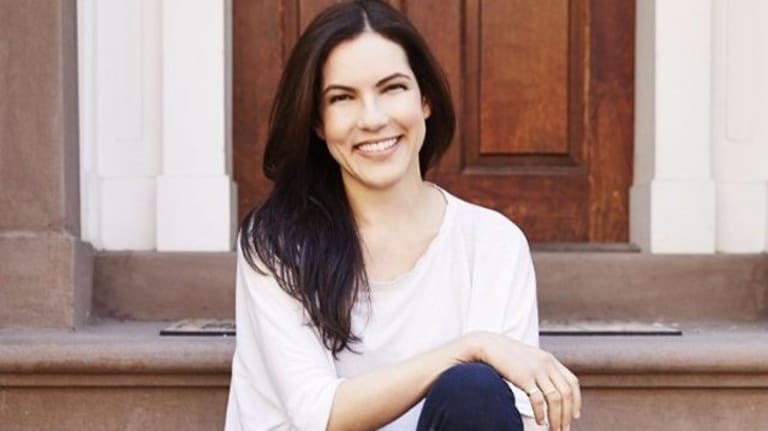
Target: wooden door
(544, 100)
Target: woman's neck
(407, 201)
(396, 225)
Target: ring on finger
(532, 392)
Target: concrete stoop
(124, 376)
(713, 378)
(112, 376)
(118, 373)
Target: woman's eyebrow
(391, 77)
(337, 87)
(378, 84)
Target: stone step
(572, 286)
(112, 376)
(124, 376)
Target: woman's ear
(426, 109)
(319, 130)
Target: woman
(366, 297)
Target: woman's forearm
(373, 399)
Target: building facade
(156, 125)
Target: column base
(45, 280)
(196, 213)
(742, 216)
(673, 216)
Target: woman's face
(372, 112)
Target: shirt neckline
(423, 260)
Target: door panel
(544, 98)
(522, 73)
(522, 150)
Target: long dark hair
(304, 233)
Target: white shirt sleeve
(521, 316)
(504, 287)
(290, 373)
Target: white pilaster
(195, 195)
(119, 121)
(739, 132)
(672, 207)
(90, 183)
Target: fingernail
(578, 414)
(567, 428)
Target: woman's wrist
(474, 346)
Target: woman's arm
(373, 399)
(553, 389)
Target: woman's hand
(538, 373)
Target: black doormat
(221, 327)
(226, 327)
(608, 328)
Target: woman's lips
(379, 146)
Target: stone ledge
(700, 350)
(573, 286)
(164, 285)
(124, 376)
(113, 348)
(715, 356)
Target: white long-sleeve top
(476, 274)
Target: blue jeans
(470, 397)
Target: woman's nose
(372, 117)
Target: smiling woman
(366, 297)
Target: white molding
(195, 213)
(683, 88)
(195, 102)
(742, 212)
(196, 200)
(645, 94)
(90, 223)
(155, 92)
(672, 200)
(739, 36)
(675, 223)
(119, 78)
(128, 211)
(127, 87)
(739, 129)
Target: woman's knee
(471, 384)
(470, 396)
(473, 380)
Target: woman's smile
(378, 147)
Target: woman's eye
(395, 87)
(339, 98)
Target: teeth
(378, 146)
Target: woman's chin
(380, 181)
